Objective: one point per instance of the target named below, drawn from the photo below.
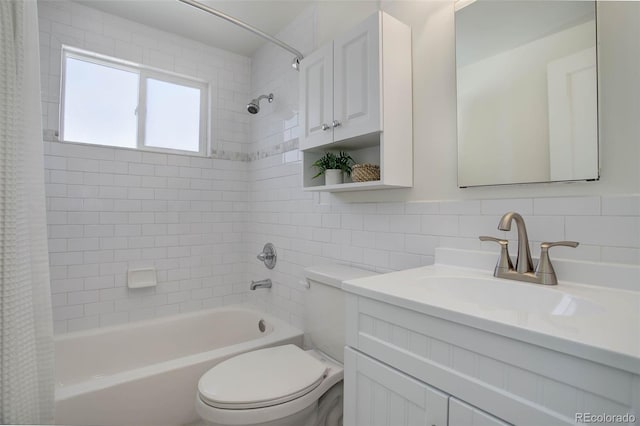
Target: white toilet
(285, 385)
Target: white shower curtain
(26, 336)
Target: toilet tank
(324, 314)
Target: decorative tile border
(51, 135)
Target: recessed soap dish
(140, 278)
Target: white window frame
(144, 73)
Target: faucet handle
(504, 261)
(545, 271)
(493, 239)
(268, 256)
(548, 245)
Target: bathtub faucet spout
(261, 284)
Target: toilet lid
(261, 378)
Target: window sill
(141, 149)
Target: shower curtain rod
(296, 61)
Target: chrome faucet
(260, 284)
(524, 270)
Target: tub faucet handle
(268, 256)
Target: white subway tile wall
(103, 223)
(202, 221)
(359, 235)
(310, 228)
(113, 209)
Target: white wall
(112, 209)
(397, 229)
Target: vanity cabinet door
(316, 98)
(463, 414)
(357, 83)
(378, 395)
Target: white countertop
(604, 328)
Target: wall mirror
(527, 91)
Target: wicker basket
(365, 172)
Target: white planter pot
(332, 177)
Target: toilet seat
(261, 378)
(225, 416)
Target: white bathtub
(146, 373)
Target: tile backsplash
(310, 229)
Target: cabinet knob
(325, 127)
(336, 123)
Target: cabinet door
(316, 98)
(378, 395)
(357, 84)
(463, 414)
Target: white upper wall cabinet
(356, 96)
(356, 84)
(317, 99)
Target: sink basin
(497, 294)
(593, 312)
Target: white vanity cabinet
(356, 96)
(409, 367)
(376, 394)
(461, 413)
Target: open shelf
(351, 186)
(398, 176)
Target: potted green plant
(333, 166)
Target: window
(106, 101)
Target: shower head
(254, 106)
